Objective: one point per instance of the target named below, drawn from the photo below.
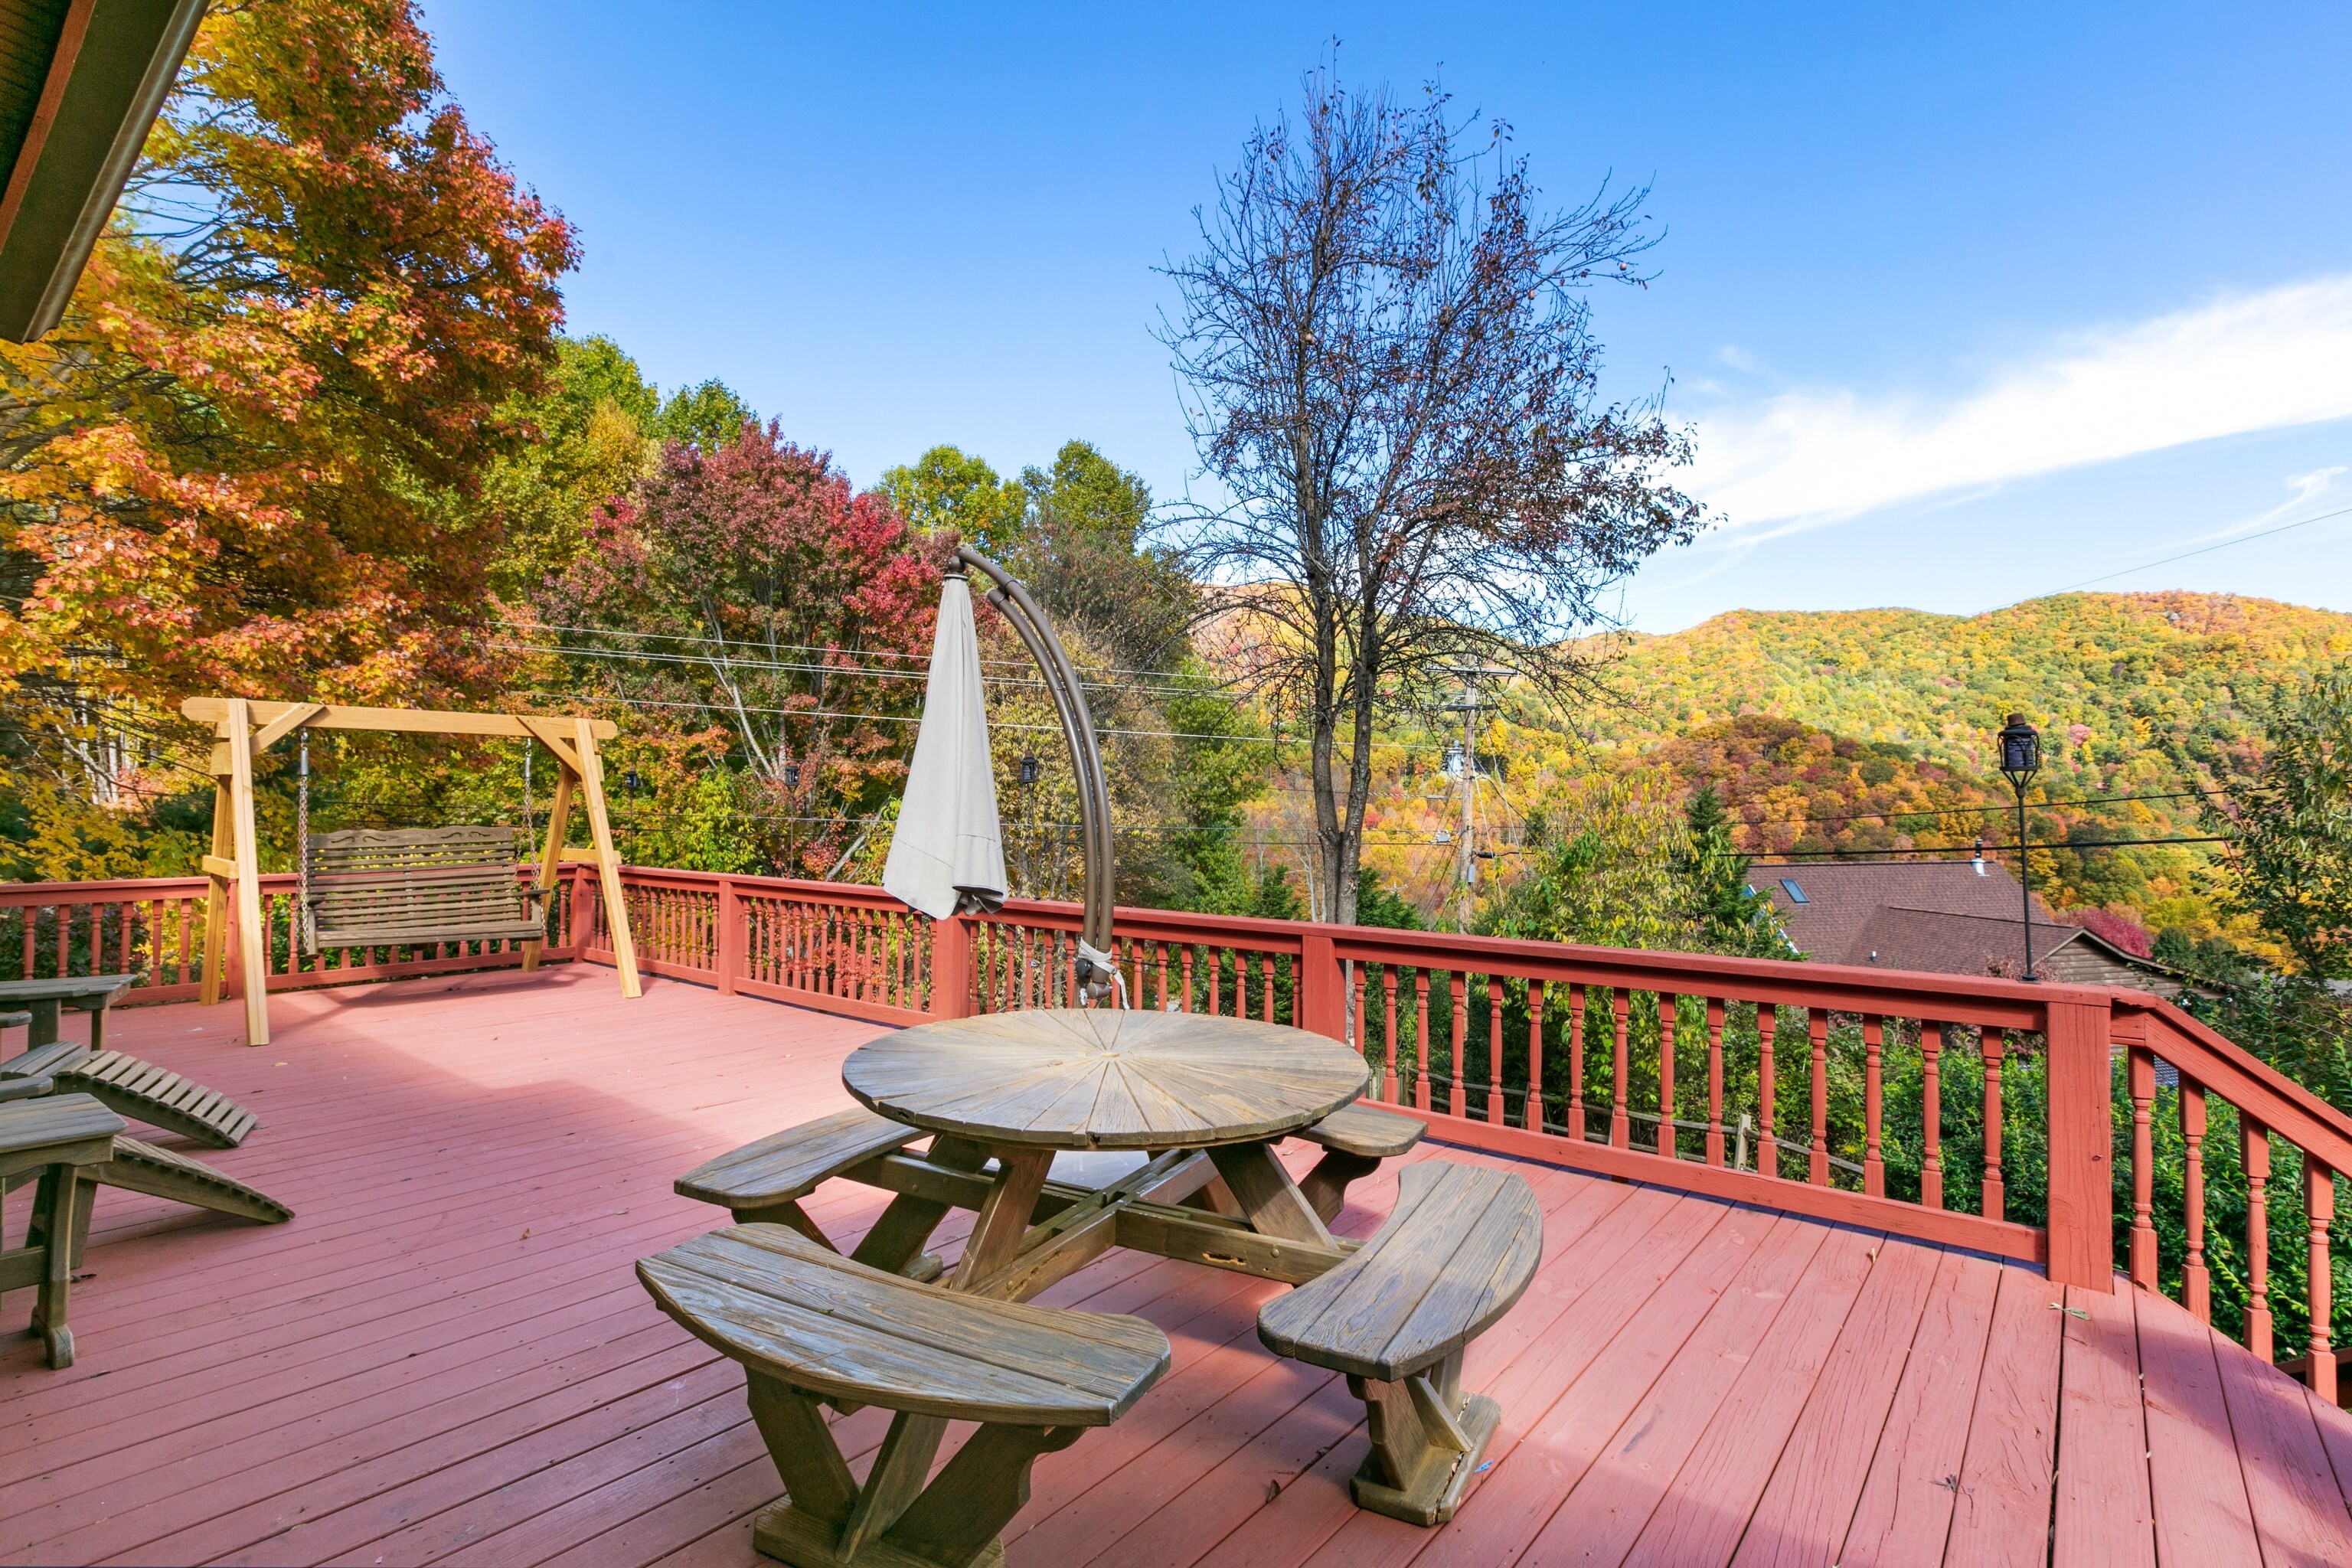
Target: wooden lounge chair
(1455, 1256)
(139, 1091)
(55, 1138)
(145, 1092)
(809, 1325)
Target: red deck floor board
(401, 1375)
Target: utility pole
(1468, 707)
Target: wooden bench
(57, 1137)
(811, 1326)
(398, 887)
(1453, 1257)
(764, 1183)
(1355, 1139)
(139, 1091)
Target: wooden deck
(445, 1357)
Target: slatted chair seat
(139, 1089)
(809, 1325)
(1455, 1254)
(394, 886)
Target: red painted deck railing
(1974, 1112)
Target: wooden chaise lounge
(1453, 1257)
(810, 1326)
(145, 1092)
(139, 1091)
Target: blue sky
(1964, 307)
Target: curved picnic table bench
(1455, 1254)
(809, 1325)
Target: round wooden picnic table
(1023, 1085)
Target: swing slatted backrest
(377, 888)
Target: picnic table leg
(43, 1030)
(896, 1242)
(956, 1519)
(1004, 1215)
(1269, 1197)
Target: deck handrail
(1538, 1049)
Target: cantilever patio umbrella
(947, 855)
(947, 834)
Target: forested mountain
(1873, 730)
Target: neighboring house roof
(80, 82)
(1947, 917)
(1830, 903)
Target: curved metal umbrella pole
(1097, 969)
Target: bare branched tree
(1391, 370)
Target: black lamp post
(2020, 758)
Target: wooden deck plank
(2198, 1488)
(1704, 1512)
(398, 1374)
(1518, 1491)
(2103, 1516)
(1606, 1510)
(1906, 1511)
(1809, 1504)
(1197, 1518)
(2291, 1485)
(2001, 1515)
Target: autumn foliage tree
(251, 459)
(1390, 367)
(747, 589)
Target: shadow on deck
(445, 1357)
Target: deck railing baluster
(1989, 1044)
(1389, 1032)
(1873, 1051)
(1768, 1084)
(2196, 1284)
(1531, 1113)
(1576, 1064)
(1495, 1050)
(1931, 1115)
(2139, 1075)
(1667, 1142)
(1621, 1122)
(1714, 1081)
(1455, 988)
(2319, 1209)
(1420, 1039)
(2254, 1159)
(1817, 1167)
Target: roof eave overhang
(113, 68)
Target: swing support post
(244, 728)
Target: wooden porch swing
(370, 888)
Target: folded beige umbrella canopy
(946, 856)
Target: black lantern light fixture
(2020, 758)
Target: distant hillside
(2119, 682)
(1866, 729)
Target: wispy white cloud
(2256, 362)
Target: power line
(1996, 806)
(1782, 855)
(2207, 549)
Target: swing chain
(303, 846)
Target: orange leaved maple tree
(251, 458)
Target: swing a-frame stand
(244, 728)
